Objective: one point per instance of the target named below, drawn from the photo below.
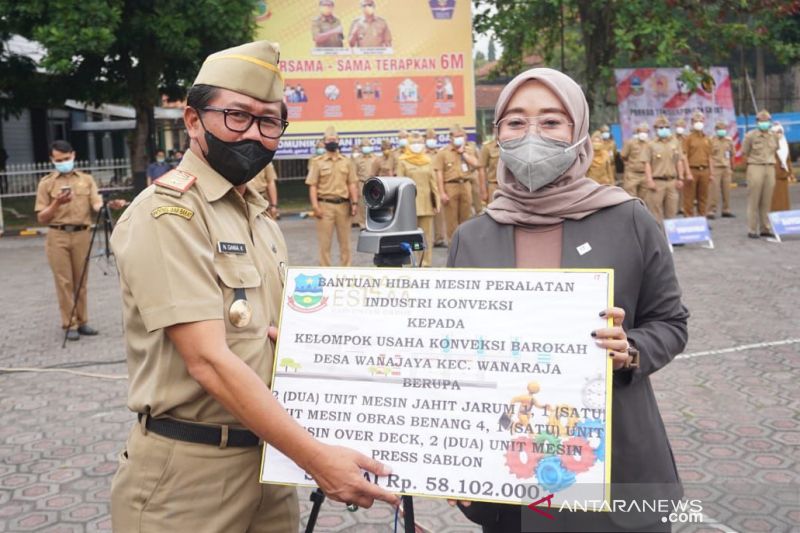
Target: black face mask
(238, 162)
(332, 146)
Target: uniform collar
(211, 184)
(332, 156)
(255, 199)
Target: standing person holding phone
(65, 202)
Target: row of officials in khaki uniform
(202, 265)
(693, 166)
(453, 183)
(691, 173)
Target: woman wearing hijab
(414, 163)
(547, 214)
(783, 172)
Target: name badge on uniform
(231, 248)
(464, 167)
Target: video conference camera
(391, 221)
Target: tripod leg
(82, 279)
(317, 497)
(408, 514)
(108, 228)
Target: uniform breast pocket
(343, 171)
(325, 171)
(81, 190)
(243, 303)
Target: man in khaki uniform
(599, 169)
(722, 153)
(402, 144)
(363, 161)
(265, 184)
(680, 136)
(65, 201)
(490, 154)
(759, 149)
(609, 146)
(452, 166)
(369, 30)
(635, 154)
(664, 173)
(476, 180)
(698, 152)
(385, 164)
(326, 29)
(439, 223)
(201, 268)
(319, 151)
(332, 190)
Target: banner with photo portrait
(370, 68)
(645, 93)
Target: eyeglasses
(551, 125)
(240, 121)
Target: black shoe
(440, 244)
(767, 234)
(711, 217)
(72, 335)
(753, 235)
(728, 215)
(87, 330)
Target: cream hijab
(572, 196)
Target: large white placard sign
(476, 384)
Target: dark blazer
(627, 239)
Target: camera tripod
(380, 260)
(104, 223)
(318, 497)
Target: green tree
(617, 33)
(126, 51)
(479, 59)
(492, 52)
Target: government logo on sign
(307, 296)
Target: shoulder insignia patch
(177, 180)
(172, 210)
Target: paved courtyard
(731, 402)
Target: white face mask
(642, 135)
(417, 148)
(698, 126)
(680, 130)
(606, 135)
(535, 161)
